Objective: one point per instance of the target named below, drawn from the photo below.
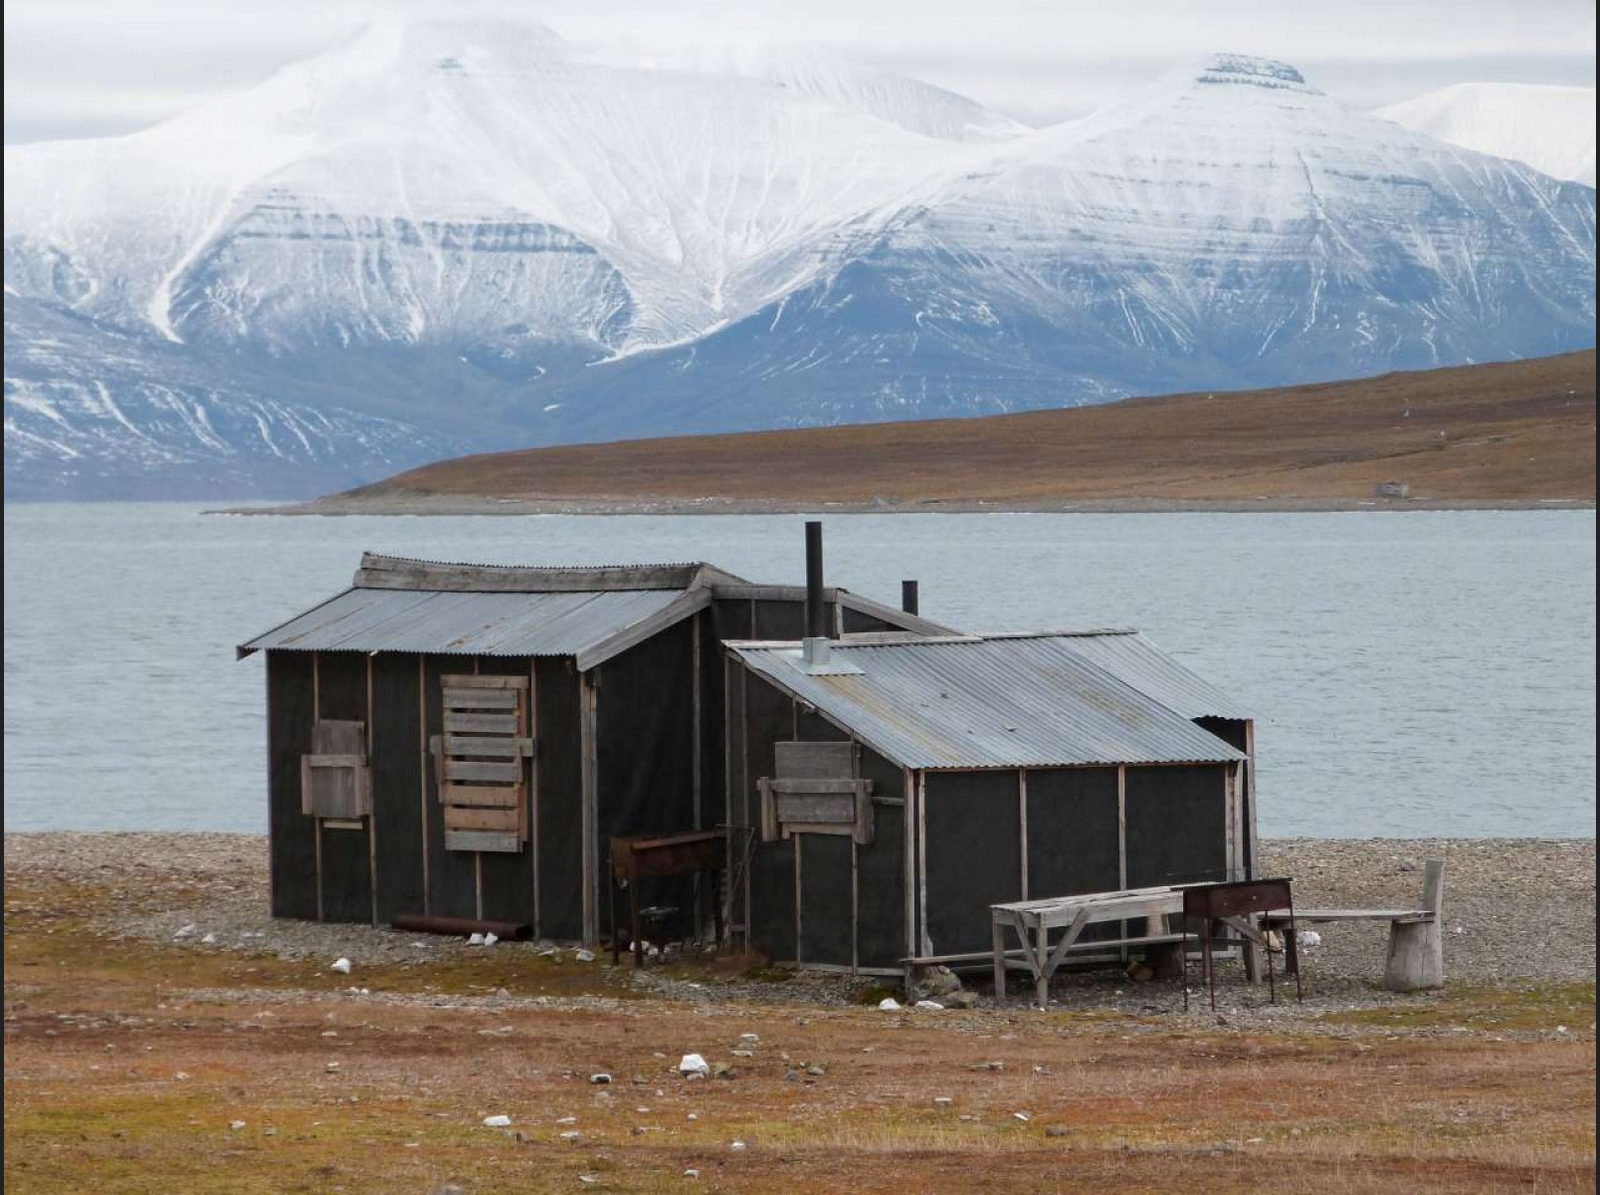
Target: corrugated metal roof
(1131, 657)
(1002, 702)
(479, 624)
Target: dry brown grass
(97, 1031)
(1518, 431)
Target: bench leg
(997, 942)
(1041, 984)
(1416, 957)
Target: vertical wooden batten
(1252, 861)
(422, 772)
(924, 944)
(908, 861)
(1122, 826)
(533, 790)
(589, 817)
(799, 920)
(1022, 821)
(316, 712)
(694, 635)
(372, 817)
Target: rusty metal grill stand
(669, 855)
(1232, 904)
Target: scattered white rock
(236, 1125)
(1022, 1116)
(209, 940)
(332, 1068)
(475, 940)
(588, 1178)
(738, 1146)
(186, 931)
(691, 1173)
(342, 966)
(567, 1120)
(888, 1004)
(496, 1122)
(749, 1039)
(490, 939)
(571, 1135)
(584, 956)
(943, 1101)
(693, 1064)
(601, 1077)
(929, 1005)
(1309, 939)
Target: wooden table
(1035, 919)
(658, 855)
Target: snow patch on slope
(1550, 128)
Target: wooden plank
(330, 736)
(335, 823)
(459, 817)
(485, 795)
(481, 699)
(468, 769)
(589, 815)
(811, 786)
(480, 724)
(378, 572)
(826, 761)
(1281, 916)
(1022, 819)
(824, 809)
(481, 840)
(335, 761)
(453, 680)
(513, 748)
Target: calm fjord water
(1418, 674)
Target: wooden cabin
(893, 787)
(462, 740)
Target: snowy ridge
(1549, 128)
(451, 234)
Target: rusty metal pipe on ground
(506, 931)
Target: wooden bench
(1033, 921)
(1415, 959)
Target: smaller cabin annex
(463, 740)
(894, 787)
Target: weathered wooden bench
(1415, 959)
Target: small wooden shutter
(335, 781)
(816, 791)
(479, 762)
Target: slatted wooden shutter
(479, 762)
(335, 781)
(816, 791)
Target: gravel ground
(1514, 910)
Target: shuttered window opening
(480, 762)
(816, 791)
(335, 781)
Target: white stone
(693, 1064)
(342, 966)
(889, 1004)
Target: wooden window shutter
(335, 781)
(816, 791)
(479, 763)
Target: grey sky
(77, 68)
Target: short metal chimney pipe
(908, 596)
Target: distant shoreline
(459, 506)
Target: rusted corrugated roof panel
(477, 624)
(980, 702)
(1131, 657)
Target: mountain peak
(1250, 71)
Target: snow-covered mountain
(451, 235)
(1550, 128)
